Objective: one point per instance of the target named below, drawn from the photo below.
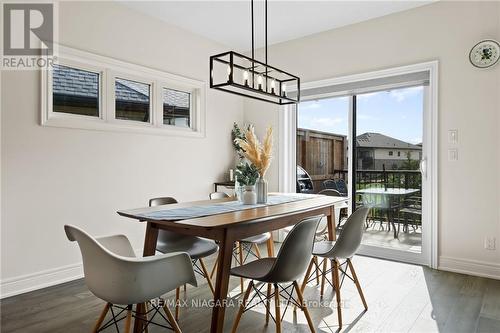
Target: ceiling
(228, 22)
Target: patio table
(393, 194)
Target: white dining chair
(113, 273)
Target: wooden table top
(225, 220)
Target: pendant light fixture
(245, 76)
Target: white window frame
(108, 69)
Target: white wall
(469, 197)
(53, 176)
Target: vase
(261, 186)
(249, 197)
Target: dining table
(226, 221)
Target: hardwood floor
(401, 298)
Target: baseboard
(471, 267)
(43, 279)
(29, 282)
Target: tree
(409, 163)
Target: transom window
(132, 100)
(88, 91)
(75, 91)
(176, 107)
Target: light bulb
(259, 81)
(283, 89)
(245, 78)
(273, 84)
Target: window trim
(109, 68)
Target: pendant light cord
(265, 14)
(253, 49)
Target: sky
(396, 113)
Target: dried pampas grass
(259, 155)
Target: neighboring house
(76, 91)
(374, 150)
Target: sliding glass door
(369, 146)
(388, 141)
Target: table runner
(216, 208)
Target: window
(399, 153)
(132, 100)
(88, 91)
(391, 153)
(176, 107)
(75, 91)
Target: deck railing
(390, 178)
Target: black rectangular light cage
(241, 75)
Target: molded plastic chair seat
(323, 247)
(255, 270)
(257, 239)
(196, 247)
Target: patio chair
(114, 274)
(329, 185)
(411, 213)
(245, 247)
(345, 247)
(381, 207)
(197, 248)
(282, 272)
(341, 186)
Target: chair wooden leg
(356, 281)
(215, 268)
(205, 272)
(277, 306)
(308, 272)
(317, 271)
(177, 301)
(336, 283)
(101, 317)
(171, 319)
(128, 319)
(304, 307)
(240, 253)
(268, 303)
(146, 329)
(323, 277)
(257, 250)
(242, 307)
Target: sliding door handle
(423, 167)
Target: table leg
(149, 250)
(331, 224)
(270, 246)
(222, 283)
